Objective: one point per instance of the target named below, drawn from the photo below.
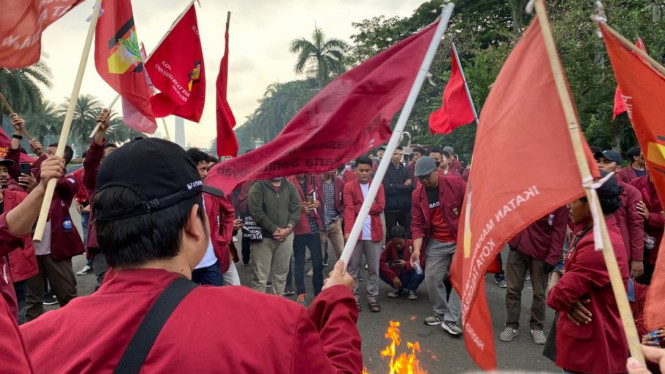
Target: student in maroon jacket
(15, 226)
(396, 268)
(152, 229)
(595, 343)
(636, 167)
(436, 207)
(369, 242)
(628, 219)
(652, 212)
(536, 250)
(453, 163)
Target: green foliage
(21, 87)
(325, 57)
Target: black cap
(609, 155)
(157, 170)
(6, 162)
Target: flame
(404, 363)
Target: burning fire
(404, 363)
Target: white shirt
(209, 258)
(367, 226)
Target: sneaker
(310, 273)
(50, 299)
(288, 291)
(301, 299)
(413, 295)
(86, 270)
(508, 334)
(395, 293)
(451, 328)
(528, 277)
(502, 283)
(325, 261)
(433, 320)
(538, 337)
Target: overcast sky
(260, 33)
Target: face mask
(437, 163)
(277, 179)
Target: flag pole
(62, 142)
(466, 86)
(654, 64)
(166, 129)
(575, 136)
(94, 131)
(12, 111)
(397, 133)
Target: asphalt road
(440, 352)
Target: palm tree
(325, 57)
(118, 132)
(84, 121)
(21, 86)
(44, 122)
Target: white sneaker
(451, 328)
(538, 337)
(508, 334)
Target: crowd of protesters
(143, 231)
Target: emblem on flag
(124, 50)
(194, 75)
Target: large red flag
(227, 143)
(176, 69)
(118, 61)
(523, 126)
(456, 109)
(619, 105)
(348, 117)
(21, 25)
(643, 90)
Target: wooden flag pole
(12, 111)
(94, 131)
(574, 130)
(64, 134)
(654, 64)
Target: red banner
(227, 143)
(21, 25)
(348, 117)
(619, 106)
(176, 69)
(119, 62)
(643, 90)
(522, 128)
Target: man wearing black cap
(636, 166)
(153, 231)
(436, 206)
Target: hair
(381, 148)
(399, 147)
(69, 152)
(136, 240)
(445, 154)
(398, 232)
(197, 155)
(434, 150)
(632, 153)
(212, 159)
(110, 145)
(420, 150)
(594, 149)
(364, 160)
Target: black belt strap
(153, 322)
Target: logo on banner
(124, 50)
(194, 75)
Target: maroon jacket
(220, 216)
(390, 254)
(302, 227)
(455, 166)
(91, 167)
(22, 263)
(353, 200)
(600, 346)
(321, 339)
(654, 225)
(543, 239)
(627, 174)
(64, 244)
(240, 199)
(451, 196)
(339, 194)
(348, 176)
(630, 222)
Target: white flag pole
(466, 86)
(397, 133)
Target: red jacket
(91, 166)
(543, 239)
(64, 244)
(220, 217)
(339, 194)
(654, 225)
(630, 222)
(455, 166)
(22, 262)
(449, 174)
(390, 254)
(82, 194)
(451, 196)
(627, 174)
(243, 331)
(348, 176)
(240, 198)
(600, 346)
(302, 227)
(353, 200)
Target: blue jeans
(211, 275)
(300, 244)
(410, 280)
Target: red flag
(227, 144)
(21, 25)
(176, 69)
(456, 109)
(118, 61)
(643, 90)
(619, 106)
(348, 117)
(523, 126)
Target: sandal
(374, 307)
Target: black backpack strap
(151, 325)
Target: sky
(260, 35)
